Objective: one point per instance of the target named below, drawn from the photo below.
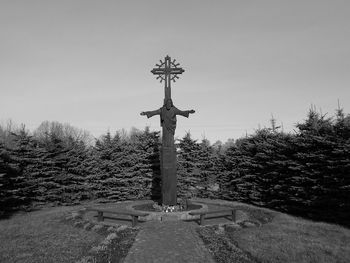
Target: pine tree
(207, 163)
(76, 168)
(188, 168)
(238, 180)
(146, 168)
(314, 148)
(341, 165)
(10, 181)
(23, 155)
(105, 167)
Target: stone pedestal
(168, 171)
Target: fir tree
(76, 168)
(146, 176)
(188, 171)
(23, 155)
(10, 179)
(104, 169)
(207, 163)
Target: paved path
(169, 241)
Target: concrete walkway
(169, 241)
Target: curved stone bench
(222, 212)
(101, 211)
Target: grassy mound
(262, 235)
(43, 236)
(50, 235)
(279, 238)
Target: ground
(43, 236)
(261, 235)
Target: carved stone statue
(168, 153)
(168, 120)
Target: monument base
(163, 216)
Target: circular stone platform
(163, 216)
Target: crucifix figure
(168, 71)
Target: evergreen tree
(103, 167)
(188, 168)
(53, 180)
(125, 166)
(207, 163)
(76, 167)
(238, 179)
(23, 155)
(324, 152)
(10, 179)
(146, 169)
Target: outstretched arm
(184, 113)
(149, 114)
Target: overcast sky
(88, 63)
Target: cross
(168, 71)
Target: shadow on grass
(327, 216)
(218, 219)
(7, 214)
(335, 215)
(117, 220)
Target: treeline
(306, 172)
(51, 167)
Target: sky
(87, 63)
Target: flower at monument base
(172, 208)
(168, 208)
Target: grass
(48, 235)
(43, 236)
(282, 238)
(116, 250)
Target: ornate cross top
(168, 71)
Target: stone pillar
(168, 170)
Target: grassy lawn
(284, 239)
(43, 236)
